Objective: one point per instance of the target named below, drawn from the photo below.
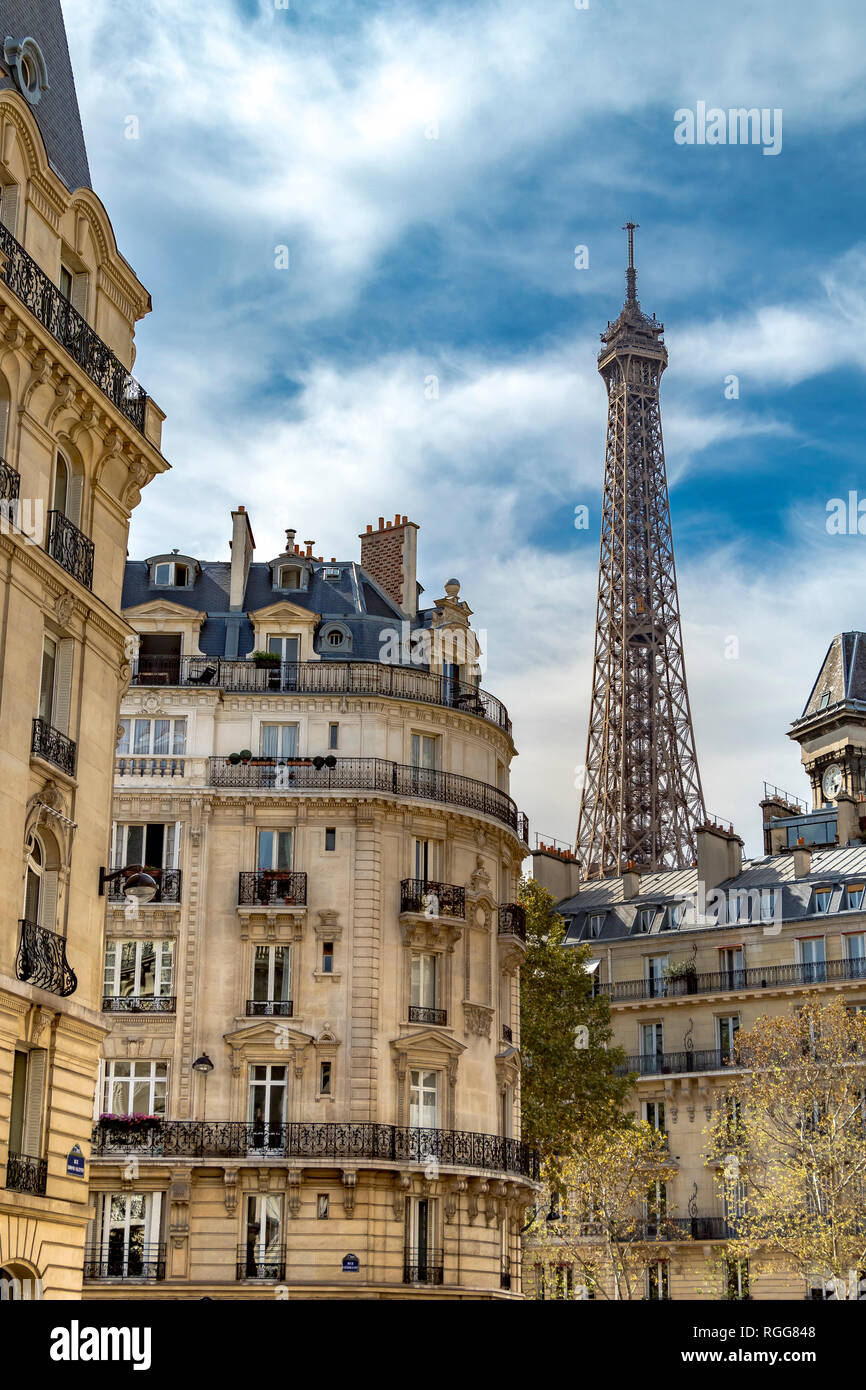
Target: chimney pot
(369, 527)
(381, 523)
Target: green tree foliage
(566, 1089)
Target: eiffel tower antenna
(642, 799)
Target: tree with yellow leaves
(789, 1144)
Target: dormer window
(673, 917)
(171, 574)
(594, 924)
(335, 637)
(821, 899)
(854, 896)
(331, 574)
(644, 920)
(288, 577)
(825, 700)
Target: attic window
(825, 700)
(644, 919)
(289, 577)
(335, 638)
(332, 574)
(25, 61)
(169, 574)
(821, 899)
(594, 925)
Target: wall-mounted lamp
(138, 882)
(203, 1064)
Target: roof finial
(631, 273)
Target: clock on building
(832, 781)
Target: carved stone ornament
(477, 1019)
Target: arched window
(40, 892)
(68, 478)
(33, 889)
(4, 418)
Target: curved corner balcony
(40, 295)
(41, 960)
(323, 678)
(454, 1148)
(370, 775)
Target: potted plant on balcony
(263, 659)
(138, 1123)
(682, 970)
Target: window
(286, 648)
(66, 282)
(853, 897)
(171, 575)
(423, 856)
(813, 960)
(263, 1249)
(330, 574)
(267, 1104)
(9, 207)
(134, 1088)
(821, 899)
(424, 971)
(333, 735)
(594, 924)
(325, 1078)
(656, 1206)
(424, 751)
(769, 903)
(41, 881)
(73, 285)
(289, 577)
(651, 1046)
(137, 970)
(731, 967)
(654, 1114)
(155, 846)
(825, 699)
(29, 1072)
(655, 975)
(152, 736)
(327, 957)
(734, 1201)
(323, 1205)
(330, 838)
(422, 1262)
(272, 978)
(66, 495)
(728, 1028)
(274, 850)
(279, 740)
(657, 1284)
(424, 1099)
(335, 637)
(644, 919)
(128, 1227)
(55, 682)
(673, 917)
(855, 955)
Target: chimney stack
(242, 547)
(802, 861)
(390, 556)
(720, 855)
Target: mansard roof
(56, 112)
(842, 678)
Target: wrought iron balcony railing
(505, 1275)
(10, 482)
(366, 774)
(512, 920)
(423, 1266)
(265, 887)
(70, 548)
(49, 743)
(665, 1063)
(176, 1139)
(507, 1033)
(415, 896)
(54, 311)
(124, 1262)
(269, 1008)
(669, 1228)
(139, 1004)
(41, 960)
(420, 1013)
(168, 888)
(324, 678)
(26, 1174)
(258, 1264)
(722, 981)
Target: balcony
(507, 1033)
(53, 747)
(674, 1228)
(41, 960)
(668, 1063)
(512, 921)
(271, 887)
(178, 1139)
(420, 1013)
(10, 484)
(257, 1264)
(124, 1262)
(324, 678)
(150, 765)
(416, 894)
(423, 1266)
(723, 981)
(139, 1004)
(168, 887)
(70, 548)
(26, 1174)
(270, 1008)
(45, 302)
(367, 774)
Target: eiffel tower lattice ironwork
(642, 799)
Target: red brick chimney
(390, 556)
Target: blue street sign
(351, 1264)
(75, 1162)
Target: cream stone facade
(79, 439)
(318, 1013)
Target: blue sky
(431, 169)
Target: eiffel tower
(642, 799)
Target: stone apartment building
(79, 439)
(311, 1082)
(682, 983)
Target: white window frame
(137, 740)
(163, 969)
(142, 1073)
(425, 1098)
(271, 997)
(278, 739)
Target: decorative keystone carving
(230, 1183)
(349, 1181)
(293, 1190)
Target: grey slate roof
(355, 600)
(842, 675)
(57, 113)
(828, 867)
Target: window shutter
(37, 1065)
(4, 424)
(73, 498)
(117, 852)
(79, 293)
(48, 900)
(63, 685)
(170, 845)
(9, 207)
